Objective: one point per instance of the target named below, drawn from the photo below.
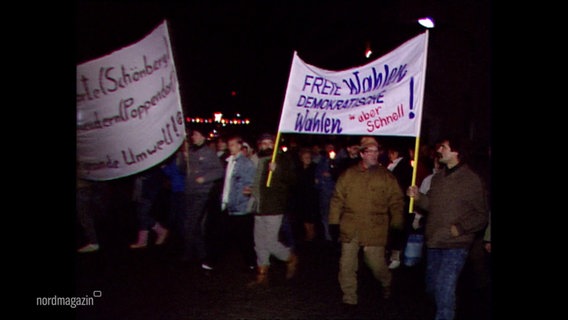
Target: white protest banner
(129, 114)
(383, 97)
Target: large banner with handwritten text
(129, 114)
(383, 97)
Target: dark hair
(201, 131)
(304, 150)
(237, 138)
(401, 149)
(352, 141)
(266, 136)
(459, 144)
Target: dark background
(246, 47)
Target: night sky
(247, 47)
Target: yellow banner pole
(414, 171)
(274, 153)
(417, 144)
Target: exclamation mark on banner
(411, 114)
(174, 125)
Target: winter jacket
(456, 197)
(276, 198)
(366, 202)
(203, 162)
(243, 176)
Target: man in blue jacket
(236, 198)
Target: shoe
(161, 233)
(261, 278)
(89, 248)
(142, 241)
(395, 259)
(394, 264)
(206, 266)
(291, 266)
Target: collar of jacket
(197, 147)
(448, 171)
(363, 169)
(234, 157)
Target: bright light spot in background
(426, 22)
(218, 116)
(284, 148)
(368, 50)
(332, 154)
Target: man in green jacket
(367, 201)
(271, 206)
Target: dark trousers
(240, 229)
(194, 226)
(397, 238)
(226, 231)
(87, 208)
(91, 205)
(478, 264)
(177, 212)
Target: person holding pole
(272, 203)
(456, 207)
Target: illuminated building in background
(217, 121)
(218, 118)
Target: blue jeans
(443, 268)
(325, 198)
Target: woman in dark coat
(306, 207)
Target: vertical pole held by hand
(276, 146)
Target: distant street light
(426, 22)
(368, 51)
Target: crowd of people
(354, 194)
